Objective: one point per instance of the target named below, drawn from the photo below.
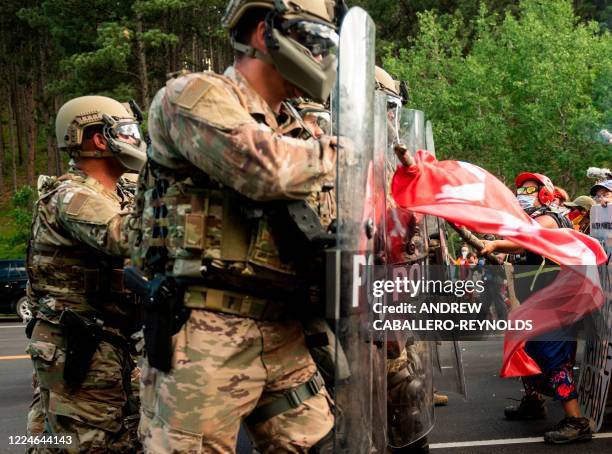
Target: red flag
(466, 194)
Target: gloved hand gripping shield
(349, 304)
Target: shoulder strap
(562, 221)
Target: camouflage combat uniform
(74, 262)
(218, 146)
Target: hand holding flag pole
(404, 156)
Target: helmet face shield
(126, 141)
(315, 76)
(320, 39)
(129, 133)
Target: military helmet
(301, 40)
(315, 10)
(391, 89)
(385, 82)
(120, 127)
(317, 112)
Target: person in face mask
(579, 213)
(561, 196)
(536, 194)
(602, 192)
(462, 260)
(554, 354)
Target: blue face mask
(526, 201)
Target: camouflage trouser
(223, 368)
(93, 413)
(36, 414)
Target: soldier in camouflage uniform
(217, 169)
(78, 338)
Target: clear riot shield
(417, 133)
(410, 409)
(348, 303)
(379, 370)
(596, 368)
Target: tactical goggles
(319, 39)
(128, 132)
(526, 190)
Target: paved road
(480, 417)
(15, 384)
(474, 421)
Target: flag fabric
(468, 195)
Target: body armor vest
(65, 273)
(195, 228)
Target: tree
(529, 94)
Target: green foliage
(22, 202)
(14, 240)
(529, 94)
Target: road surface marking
(15, 357)
(502, 441)
(12, 326)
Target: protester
(555, 358)
(579, 213)
(561, 196)
(602, 192)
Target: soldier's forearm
(270, 167)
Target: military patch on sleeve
(194, 90)
(76, 203)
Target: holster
(163, 316)
(82, 339)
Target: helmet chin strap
(250, 51)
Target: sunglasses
(526, 190)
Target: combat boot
(440, 400)
(570, 429)
(531, 407)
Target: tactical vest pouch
(235, 231)
(217, 225)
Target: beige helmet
(391, 88)
(301, 40)
(120, 128)
(386, 83)
(314, 113)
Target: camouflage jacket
(222, 150)
(79, 239)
